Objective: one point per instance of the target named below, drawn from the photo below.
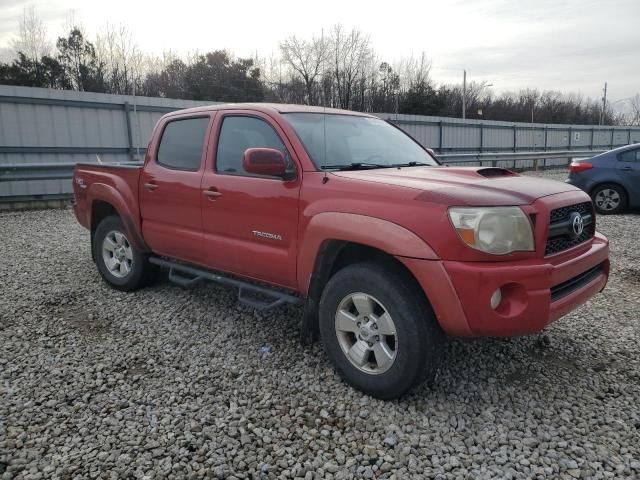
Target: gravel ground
(170, 383)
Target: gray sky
(567, 45)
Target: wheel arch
(106, 200)
(336, 240)
(101, 209)
(608, 182)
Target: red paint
(264, 161)
(271, 229)
(576, 167)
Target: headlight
(496, 230)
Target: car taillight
(576, 167)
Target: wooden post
(127, 109)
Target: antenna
(325, 177)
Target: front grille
(563, 212)
(561, 235)
(565, 288)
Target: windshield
(356, 142)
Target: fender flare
(389, 237)
(130, 219)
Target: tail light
(576, 167)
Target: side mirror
(264, 161)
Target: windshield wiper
(355, 166)
(412, 164)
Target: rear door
(170, 187)
(249, 221)
(628, 166)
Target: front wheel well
(333, 256)
(356, 253)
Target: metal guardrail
(544, 131)
(513, 157)
(64, 171)
(17, 172)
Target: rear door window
(630, 156)
(182, 143)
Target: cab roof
(270, 108)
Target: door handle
(626, 168)
(212, 193)
(150, 186)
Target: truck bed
(97, 182)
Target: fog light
(496, 298)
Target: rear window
(182, 142)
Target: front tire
(119, 263)
(379, 330)
(609, 199)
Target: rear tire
(379, 330)
(119, 263)
(609, 199)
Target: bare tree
(305, 57)
(72, 22)
(351, 51)
(32, 37)
(415, 72)
(275, 75)
(121, 57)
(530, 98)
(634, 116)
(7, 54)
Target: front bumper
(535, 292)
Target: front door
(170, 188)
(250, 222)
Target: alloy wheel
(366, 333)
(117, 254)
(607, 199)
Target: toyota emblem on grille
(578, 224)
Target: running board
(187, 276)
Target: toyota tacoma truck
(388, 251)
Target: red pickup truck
(388, 250)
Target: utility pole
(324, 72)
(533, 106)
(464, 94)
(604, 104)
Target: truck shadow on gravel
(629, 275)
(209, 317)
(531, 366)
(526, 363)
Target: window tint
(630, 156)
(182, 142)
(239, 133)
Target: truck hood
(477, 186)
